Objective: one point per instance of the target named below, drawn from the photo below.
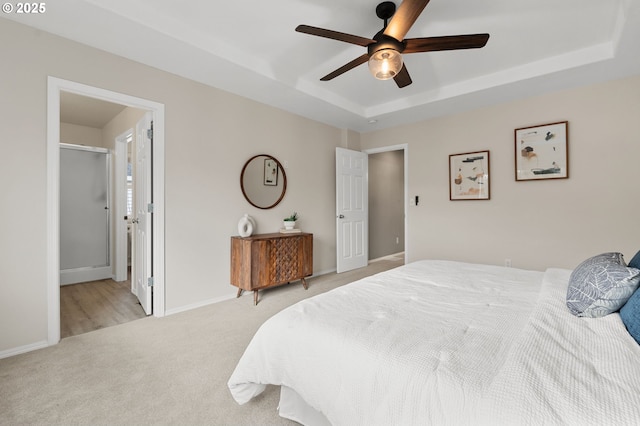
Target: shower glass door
(84, 214)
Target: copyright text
(19, 8)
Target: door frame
(54, 87)
(121, 232)
(400, 147)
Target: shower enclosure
(85, 253)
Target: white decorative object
(289, 222)
(246, 225)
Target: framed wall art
(541, 152)
(270, 172)
(469, 176)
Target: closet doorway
(388, 200)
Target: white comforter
(438, 342)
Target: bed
(444, 342)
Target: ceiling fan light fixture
(385, 48)
(385, 64)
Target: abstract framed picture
(469, 176)
(541, 152)
(270, 172)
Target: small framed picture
(270, 172)
(469, 176)
(541, 152)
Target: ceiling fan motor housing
(385, 42)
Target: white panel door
(352, 205)
(143, 231)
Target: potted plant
(290, 221)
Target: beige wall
(386, 203)
(536, 224)
(125, 121)
(81, 135)
(209, 134)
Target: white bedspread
(438, 342)
(565, 370)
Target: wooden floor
(90, 306)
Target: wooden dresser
(268, 260)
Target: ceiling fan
(384, 50)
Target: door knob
(341, 216)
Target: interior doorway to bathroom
(153, 214)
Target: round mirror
(263, 181)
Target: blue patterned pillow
(630, 315)
(635, 262)
(601, 285)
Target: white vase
(245, 226)
(289, 224)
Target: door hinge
(150, 208)
(150, 133)
(150, 281)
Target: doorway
(388, 200)
(353, 207)
(85, 213)
(55, 87)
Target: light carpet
(161, 371)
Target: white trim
(202, 304)
(387, 257)
(53, 213)
(24, 349)
(234, 295)
(400, 147)
(323, 272)
(85, 148)
(54, 87)
(85, 274)
(120, 171)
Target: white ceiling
(250, 48)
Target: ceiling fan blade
(404, 18)
(335, 35)
(403, 78)
(430, 44)
(358, 61)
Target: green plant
(291, 218)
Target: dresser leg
(239, 292)
(304, 284)
(255, 297)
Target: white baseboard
(83, 275)
(390, 256)
(23, 349)
(223, 298)
(199, 304)
(328, 271)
